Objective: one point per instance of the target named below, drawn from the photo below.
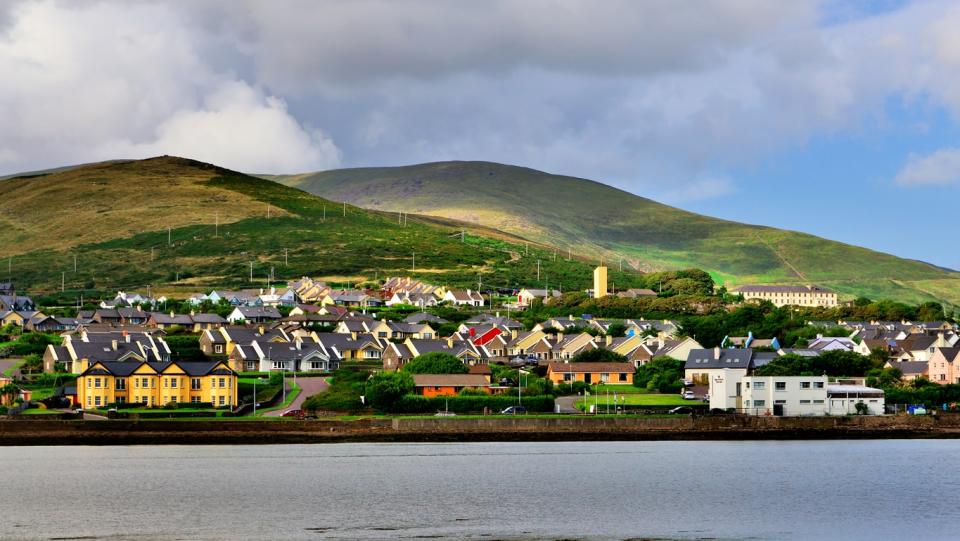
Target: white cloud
(90, 81)
(938, 168)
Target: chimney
(559, 336)
(113, 343)
(716, 352)
(260, 329)
(607, 339)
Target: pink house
(944, 365)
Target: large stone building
(790, 295)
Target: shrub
(436, 362)
(385, 389)
(564, 389)
(412, 403)
(598, 355)
(661, 374)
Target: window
(96, 383)
(222, 400)
(166, 382)
(89, 401)
(96, 401)
(121, 384)
(195, 384)
(804, 384)
(382, 334)
(89, 382)
(222, 383)
(316, 365)
(173, 382)
(818, 385)
(748, 385)
(218, 348)
(780, 385)
(818, 401)
(804, 402)
(121, 400)
(173, 399)
(146, 382)
(779, 401)
(136, 383)
(759, 403)
(567, 377)
(746, 403)
(623, 377)
(759, 385)
(195, 399)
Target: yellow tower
(599, 282)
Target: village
(306, 350)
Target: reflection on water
(591, 490)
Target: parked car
(686, 410)
(688, 395)
(444, 414)
(688, 383)
(514, 410)
(293, 413)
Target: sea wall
(561, 428)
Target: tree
(384, 389)
(435, 362)
(661, 374)
(616, 329)
(598, 355)
(883, 377)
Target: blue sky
(846, 111)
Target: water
(678, 490)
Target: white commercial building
(790, 395)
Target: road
(565, 403)
(308, 388)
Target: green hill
(597, 220)
(114, 219)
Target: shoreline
(447, 430)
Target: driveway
(565, 403)
(7, 363)
(308, 388)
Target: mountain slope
(599, 220)
(114, 218)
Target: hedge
(412, 403)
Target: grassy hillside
(113, 217)
(596, 219)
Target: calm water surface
(677, 490)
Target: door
(587, 378)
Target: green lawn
(291, 395)
(38, 411)
(620, 389)
(9, 371)
(648, 399)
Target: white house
(790, 395)
(461, 297)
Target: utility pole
(526, 248)
(568, 254)
(621, 264)
(251, 271)
(151, 253)
(324, 212)
(168, 237)
(414, 261)
(74, 263)
(538, 270)
(463, 236)
(344, 209)
(554, 254)
(63, 281)
(285, 261)
(399, 218)
(268, 211)
(216, 225)
(405, 219)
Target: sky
(837, 118)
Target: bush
(412, 403)
(661, 374)
(276, 378)
(33, 343)
(598, 355)
(565, 389)
(385, 389)
(436, 362)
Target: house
(18, 318)
(425, 317)
(396, 355)
(420, 300)
(297, 356)
(591, 373)
(202, 322)
(153, 384)
(253, 314)
(304, 309)
(911, 370)
(222, 340)
(521, 342)
(832, 343)
(463, 297)
(79, 352)
(360, 347)
(354, 298)
(636, 293)
(703, 364)
(431, 385)
(14, 303)
(808, 295)
(160, 320)
(921, 347)
(494, 319)
(51, 324)
(526, 296)
(944, 365)
(566, 347)
(790, 395)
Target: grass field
(636, 399)
(594, 219)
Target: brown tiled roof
(450, 380)
(590, 367)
